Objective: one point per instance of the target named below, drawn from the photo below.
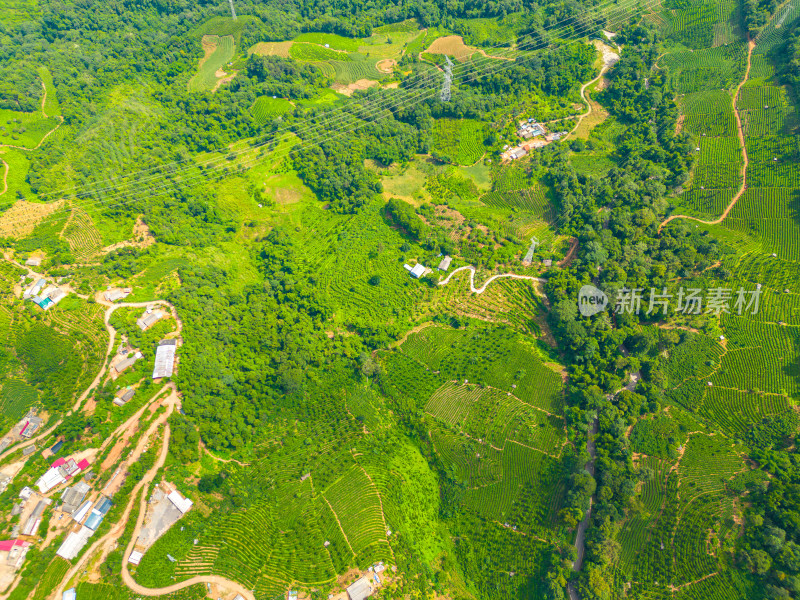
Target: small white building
(181, 503)
(135, 558)
(416, 271)
(445, 264)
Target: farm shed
(359, 590)
(114, 295)
(416, 271)
(32, 524)
(182, 504)
(135, 558)
(98, 512)
(33, 261)
(70, 594)
(165, 358)
(125, 363)
(28, 450)
(124, 396)
(445, 263)
(73, 496)
(56, 447)
(79, 514)
(74, 542)
(148, 320)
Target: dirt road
(105, 543)
(481, 289)
(745, 161)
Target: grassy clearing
(51, 106)
(219, 51)
(271, 49)
(332, 40)
(314, 53)
(25, 130)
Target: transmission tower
(448, 78)
(233, 10)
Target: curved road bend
(481, 289)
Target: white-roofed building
(165, 358)
(182, 504)
(74, 543)
(50, 479)
(135, 558)
(81, 513)
(417, 270)
(70, 594)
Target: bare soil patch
(272, 49)
(347, 90)
(20, 220)
(386, 65)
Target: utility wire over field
(338, 123)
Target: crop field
(459, 139)
(736, 412)
(452, 402)
(334, 41)
(708, 69)
(634, 532)
(51, 107)
(266, 108)
(50, 579)
(476, 464)
(219, 51)
(16, 397)
(315, 53)
(532, 200)
(773, 272)
(352, 69)
(697, 357)
(760, 356)
(524, 474)
(357, 506)
(513, 302)
(332, 244)
(707, 463)
(489, 357)
(705, 203)
(82, 236)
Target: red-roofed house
(83, 465)
(59, 461)
(8, 545)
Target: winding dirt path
(36, 147)
(481, 289)
(5, 176)
(609, 60)
(745, 160)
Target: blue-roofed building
(98, 513)
(56, 447)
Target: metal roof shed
(359, 590)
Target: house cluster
(87, 517)
(419, 270)
(528, 130)
(43, 294)
(367, 585)
(165, 507)
(60, 472)
(23, 430)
